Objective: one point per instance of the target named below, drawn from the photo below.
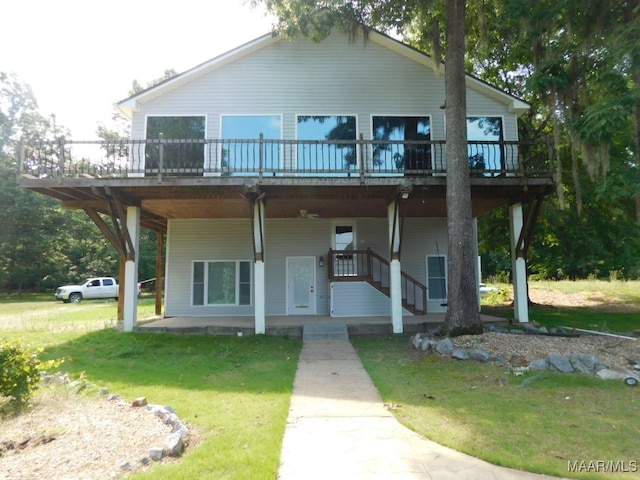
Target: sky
(81, 56)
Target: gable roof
(131, 104)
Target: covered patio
(292, 325)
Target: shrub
(20, 370)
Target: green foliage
(20, 370)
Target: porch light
(321, 261)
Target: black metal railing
(368, 266)
(263, 157)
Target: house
(299, 178)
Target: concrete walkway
(338, 428)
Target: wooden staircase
(368, 266)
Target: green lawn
(236, 390)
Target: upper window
(338, 157)
(482, 155)
(403, 147)
(178, 157)
(242, 150)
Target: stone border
(575, 363)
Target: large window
(339, 157)
(242, 150)
(225, 282)
(178, 158)
(485, 156)
(404, 147)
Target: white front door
(301, 285)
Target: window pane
(198, 283)
(245, 283)
(222, 283)
(437, 281)
(483, 156)
(409, 156)
(436, 266)
(245, 156)
(322, 157)
(178, 158)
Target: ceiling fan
(306, 214)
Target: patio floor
(292, 325)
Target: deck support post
(395, 270)
(518, 265)
(130, 286)
(258, 208)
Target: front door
(301, 285)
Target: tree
(317, 19)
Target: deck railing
(263, 157)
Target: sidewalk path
(338, 428)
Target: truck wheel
(75, 297)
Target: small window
(437, 277)
(221, 283)
(107, 282)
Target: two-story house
(299, 178)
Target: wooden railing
(263, 157)
(368, 266)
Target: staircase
(368, 266)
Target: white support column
(130, 293)
(258, 267)
(518, 266)
(395, 270)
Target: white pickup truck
(97, 287)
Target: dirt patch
(596, 300)
(73, 436)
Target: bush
(20, 370)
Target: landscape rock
(139, 402)
(425, 344)
(156, 454)
(585, 363)
(445, 346)
(560, 363)
(174, 444)
(460, 354)
(539, 364)
(480, 354)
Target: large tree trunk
(462, 315)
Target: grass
(537, 422)
(620, 311)
(236, 390)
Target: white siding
(191, 240)
(331, 77)
(359, 299)
(230, 239)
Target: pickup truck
(97, 287)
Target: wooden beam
(526, 235)
(159, 272)
(106, 231)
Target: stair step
(325, 332)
